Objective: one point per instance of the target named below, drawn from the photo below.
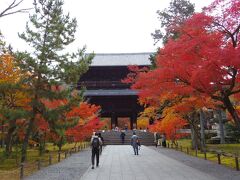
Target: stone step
(113, 137)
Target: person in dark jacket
(100, 136)
(122, 135)
(164, 144)
(96, 142)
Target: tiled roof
(121, 59)
(118, 92)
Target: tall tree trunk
(194, 137)
(17, 162)
(221, 126)
(3, 137)
(60, 144)
(26, 138)
(40, 146)
(42, 143)
(228, 104)
(30, 127)
(194, 121)
(9, 137)
(202, 131)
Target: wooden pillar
(133, 121)
(113, 120)
(116, 120)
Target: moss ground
(229, 149)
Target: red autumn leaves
(202, 63)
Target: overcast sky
(104, 26)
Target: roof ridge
(139, 53)
(121, 59)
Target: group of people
(120, 129)
(97, 143)
(160, 139)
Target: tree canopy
(48, 33)
(199, 68)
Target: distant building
(104, 86)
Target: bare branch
(234, 74)
(10, 9)
(235, 92)
(231, 35)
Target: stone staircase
(113, 137)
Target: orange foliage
(10, 74)
(84, 131)
(142, 123)
(196, 69)
(84, 112)
(88, 121)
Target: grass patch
(9, 167)
(226, 148)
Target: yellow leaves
(81, 122)
(143, 123)
(167, 96)
(9, 73)
(149, 112)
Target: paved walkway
(71, 168)
(119, 163)
(212, 168)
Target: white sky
(104, 26)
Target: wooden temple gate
(104, 88)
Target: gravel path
(221, 172)
(69, 169)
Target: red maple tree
(88, 123)
(203, 61)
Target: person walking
(135, 143)
(96, 142)
(100, 136)
(122, 136)
(155, 138)
(126, 127)
(164, 144)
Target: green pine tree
(49, 33)
(177, 12)
(173, 16)
(11, 99)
